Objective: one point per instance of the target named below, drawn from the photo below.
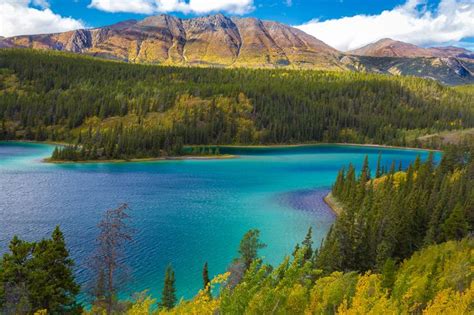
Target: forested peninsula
(111, 110)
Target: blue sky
(344, 24)
(293, 12)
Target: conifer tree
(378, 171)
(168, 296)
(455, 226)
(35, 276)
(307, 244)
(52, 281)
(249, 247)
(205, 277)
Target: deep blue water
(183, 212)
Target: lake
(184, 212)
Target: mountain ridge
(221, 41)
(387, 47)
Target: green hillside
(118, 110)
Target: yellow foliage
(449, 302)
(456, 176)
(370, 298)
(329, 292)
(398, 177)
(143, 305)
(297, 299)
(202, 303)
(41, 312)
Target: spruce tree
(455, 226)
(378, 171)
(52, 281)
(307, 244)
(249, 247)
(205, 278)
(36, 276)
(168, 295)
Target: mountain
(451, 65)
(222, 41)
(451, 51)
(214, 40)
(388, 47)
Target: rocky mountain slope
(388, 47)
(221, 41)
(214, 40)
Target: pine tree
(307, 244)
(168, 295)
(378, 171)
(52, 281)
(205, 277)
(365, 172)
(38, 276)
(389, 273)
(455, 226)
(14, 277)
(249, 246)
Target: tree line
(117, 110)
(388, 214)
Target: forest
(113, 110)
(390, 214)
(402, 245)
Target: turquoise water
(183, 212)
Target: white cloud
(166, 6)
(17, 17)
(41, 3)
(412, 22)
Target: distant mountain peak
(387, 47)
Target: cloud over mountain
(164, 6)
(19, 17)
(413, 22)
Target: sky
(343, 24)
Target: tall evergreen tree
(52, 281)
(456, 225)
(249, 247)
(36, 276)
(206, 281)
(168, 295)
(205, 277)
(308, 244)
(378, 170)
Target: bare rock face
(258, 47)
(220, 41)
(302, 50)
(79, 41)
(212, 40)
(391, 48)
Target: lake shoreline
(136, 160)
(332, 203)
(282, 146)
(215, 157)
